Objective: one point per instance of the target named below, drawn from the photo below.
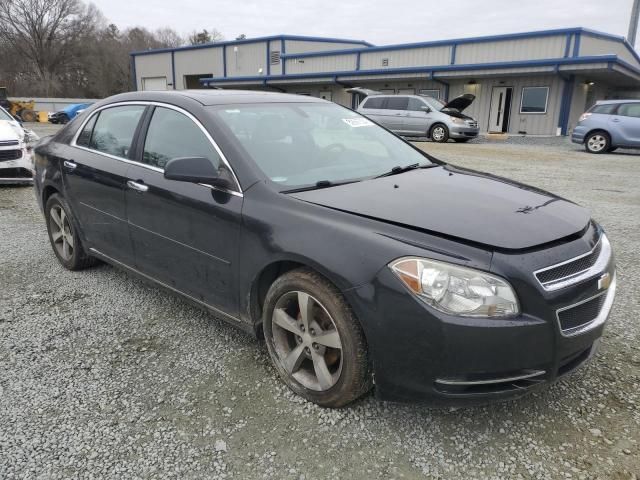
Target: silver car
(414, 115)
(608, 125)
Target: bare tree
(205, 36)
(47, 33)
(168, 37)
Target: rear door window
(84, 139)
(114, 129)
(397, 103)
(629, 110)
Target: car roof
(616, 102)
(208, 97)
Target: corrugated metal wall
(305, 46)
(600, 46)
(192, 62)
(406, 58)
(334, 63)
(532, 124)
(511, 50)
(246, 59)
(149, 66)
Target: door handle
(69, 165)
(616, 120)
(138, 187)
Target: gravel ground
(102, 375)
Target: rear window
(373, 102)
(606, 109)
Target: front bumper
(463, 132)
(420, 354)
(18, 171)
(578, 134)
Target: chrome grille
(8, 143)
(576, 269)
(472, 123)
(6, 155)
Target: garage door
(154, 83)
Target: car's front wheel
(314, 339)
(63, 235)
(439, 133)
(597, 142)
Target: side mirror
(425, 109)
(197, 170)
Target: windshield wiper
(318, 185)
(407, 168)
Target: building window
(274, 58)
(534, 100)
(426, 92)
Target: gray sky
(394, 21)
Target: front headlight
(457, 290)
(460, 121)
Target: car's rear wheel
(314, 339)
(63, 235)
(597, 142)
(439, 133)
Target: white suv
(16, 160)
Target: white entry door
(500, 109)
(154, 83)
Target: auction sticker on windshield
(357, 122)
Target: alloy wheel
(306, 341)
(61, 232)
(597, 143)
(438, 133)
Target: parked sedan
(360, 258)
(609, 125)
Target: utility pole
(633, 23)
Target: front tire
(439, 133)
(597, 142)
(63, 235)
(314, 340)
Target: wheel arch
(596, 130)
(263, 280)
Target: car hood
(461, 204)
(460, 103)
(10, 131)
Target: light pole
(633, 23)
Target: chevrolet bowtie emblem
(604, 281)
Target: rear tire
(315, 341)
(597, 142)
(63, 235)
(439, 133)
(28, 115)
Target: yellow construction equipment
(23, 110)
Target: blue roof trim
(437, 68)
(451, 42)
(251, 40)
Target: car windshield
(301, 144)
(434, 103)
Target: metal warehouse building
(535, 83)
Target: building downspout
(565, 105)
(446, 86)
